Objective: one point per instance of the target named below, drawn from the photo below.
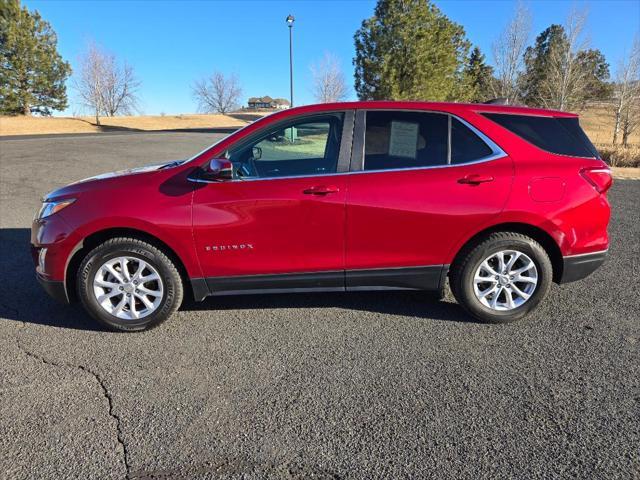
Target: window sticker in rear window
(404, 139)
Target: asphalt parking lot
(367, 385)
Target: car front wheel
(502, 277)
(129, 285)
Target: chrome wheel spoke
(487, 268)
(514, 257)
(509, 297)
(125, 295)
(481, 279)
(120, 306)
(147, 303)
(147, 291)
(501, 265)
(109, 295)
(494, 300)
(505, 280)
(520, 293)
(149, 278)
(521, 279)
(489, 291)
(141, 266)
(132, 307)
(124, 269)
(113, 272)
(104, 283)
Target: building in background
(268, 103)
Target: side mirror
(219, 169)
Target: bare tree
(120, 89)
(627, 95)
(104, 86)
(567, 78)
(508, 51)
(328, 80)
(217, 93)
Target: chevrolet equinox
(500, 200)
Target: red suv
(338, 197)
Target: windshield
(226, 137)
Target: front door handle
(475, 179)
(321, 190)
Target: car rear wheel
(502, 277)
(129, 285)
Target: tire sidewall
(90, 266)
(485, 250)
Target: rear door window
(466, 146)
(401, 139)
(395, 139)
(562, 136)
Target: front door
(280, 222)
(423, 182)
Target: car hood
(129, 171)
(80, 184)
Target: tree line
(408, 50)
(33, 74)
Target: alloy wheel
(128, 288)
(505, 280)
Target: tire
(470, 293)
(165, 287)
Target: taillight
(599, 178)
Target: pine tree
(32, 73)
(478, 77)
(409, 50)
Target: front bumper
(577, 267)
(55, 288)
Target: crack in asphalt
(105, 393)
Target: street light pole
(290, 19)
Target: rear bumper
(577, 267)
(55, 288)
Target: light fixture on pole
(290, 19)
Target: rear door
(420, 182)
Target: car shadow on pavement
(24, 300)
(414, 304)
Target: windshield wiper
(172, 164)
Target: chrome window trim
(497, 152)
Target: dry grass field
(597, 121)
(21, 125)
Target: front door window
(308, 147)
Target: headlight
(49, 208)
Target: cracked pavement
(389, 385)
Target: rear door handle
(321, 190)
(475, 179)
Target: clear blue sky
(172, 43)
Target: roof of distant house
(268, 99)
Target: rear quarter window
(562, 136)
